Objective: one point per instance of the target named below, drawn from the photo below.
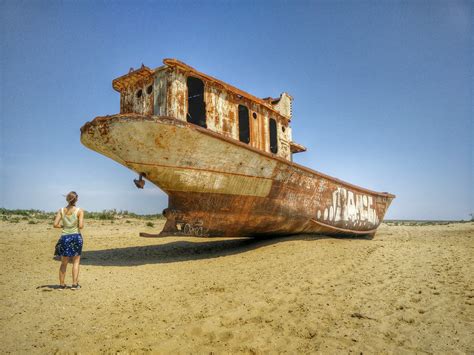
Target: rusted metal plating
(217, 185)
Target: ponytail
(71, 198)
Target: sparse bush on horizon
(405, 222)
(4, 212)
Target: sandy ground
(408, 290)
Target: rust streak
(349, 231)
(198, 169)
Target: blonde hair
(71, 198)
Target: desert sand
(408, 290)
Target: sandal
(62, 287)
(75, 287)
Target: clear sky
(383, 91)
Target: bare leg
(75, 269)
(62, 269)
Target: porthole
(139, 93)
(254, 115)
(149, 89)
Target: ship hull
(218, 186)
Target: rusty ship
(224, 158)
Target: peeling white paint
(348, 206)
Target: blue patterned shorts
(69, 245)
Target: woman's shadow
(178, 251)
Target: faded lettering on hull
(350, 207)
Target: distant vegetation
(32, 216)
(404, 222)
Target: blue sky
(383, 91)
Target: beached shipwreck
(224, 158)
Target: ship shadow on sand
(186, 250)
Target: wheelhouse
(179, 91)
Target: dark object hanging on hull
(140, 183)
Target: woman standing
(70, 244)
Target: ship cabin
(179, 91)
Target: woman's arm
(57, 219)
(80, 216)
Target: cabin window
(149, 89)
(139, 93)
(273, 136)
(254, 115)
(244, 126)
(196, 105)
